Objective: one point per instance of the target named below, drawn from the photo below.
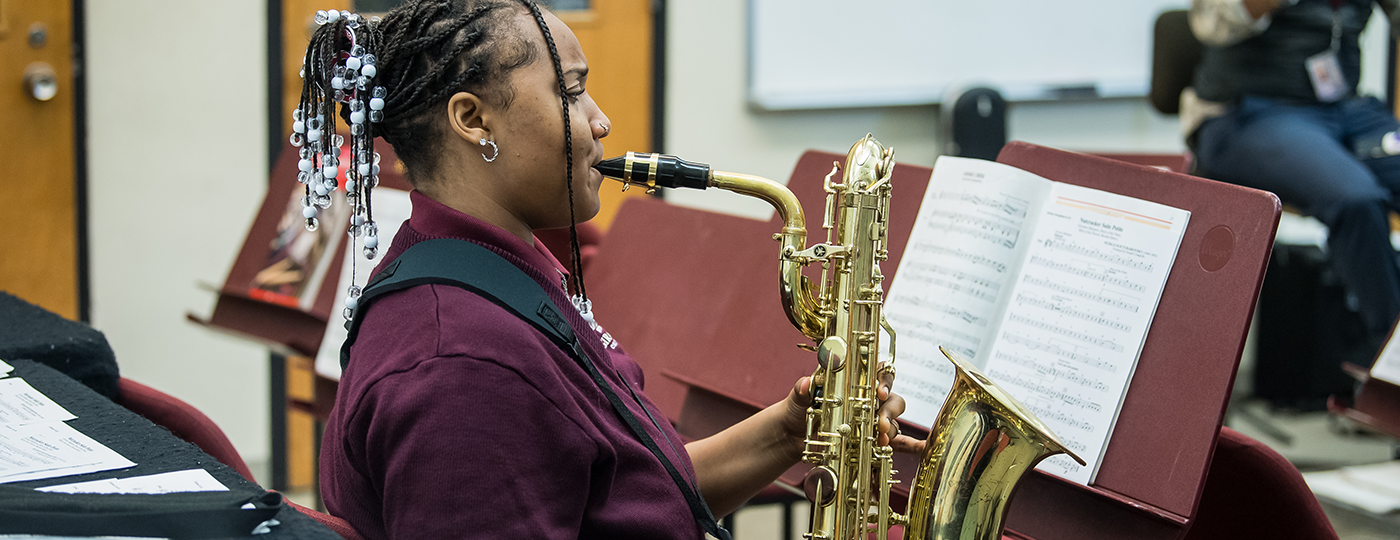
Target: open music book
(1049, 288)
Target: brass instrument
(983, 440)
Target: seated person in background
(455, 418)
(1274, 107)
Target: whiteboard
(806, 54)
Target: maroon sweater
(456, 419)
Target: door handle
(40, 81)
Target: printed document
(1049, 288)
(22, 404)
(152, 484)
(49, 450)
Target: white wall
(177, 165)
(707, 118)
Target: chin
(589, 211)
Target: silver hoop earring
(495, 150)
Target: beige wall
(177, 164)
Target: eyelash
(573, 96)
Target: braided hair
(424, 52)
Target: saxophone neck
(798, 300)
(794, 233)
(658, 170)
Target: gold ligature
(982, 442)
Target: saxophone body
(982, 442)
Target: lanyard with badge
(1324, 68)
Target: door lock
(40, 81)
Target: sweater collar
(434, 219)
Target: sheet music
(951, 285)
(1079, 315)
(49, 450)
(171, 482)
(1387, 366)
(1049, 289)
(20, 403)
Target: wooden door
(616, 36)
(38, 215)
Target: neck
(467, 198)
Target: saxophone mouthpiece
(653, 170)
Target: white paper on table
(1379, 477)
(5, 369)
(391, 208)
(1359, 486)
(20, 403)
(151, 484)
(38, 451)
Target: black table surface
(153, 448)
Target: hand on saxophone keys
(892, 405)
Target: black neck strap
(469, 266)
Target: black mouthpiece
(652, 170)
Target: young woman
(454, 417)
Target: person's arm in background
(1225, 22)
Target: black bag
(173, 515)
(1306, 332)
(77, 350)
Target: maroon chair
(1253, 492)
(340, 526)
(557, 240)
(182, 419)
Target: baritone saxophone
(981, 442)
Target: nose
(599, 123)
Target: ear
(467, 114)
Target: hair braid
(577, 261)
(437, 73)
(472, 73)
(432, 49)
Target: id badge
(1326, 74)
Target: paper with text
(20, 403)
(5, 369)
(38, 451)
(1049, 288)
(152, 484)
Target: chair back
(340, 526)
(557, 241)
(183, 420)
(1175, 54)
(1253, 492)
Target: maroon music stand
(693, 296)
